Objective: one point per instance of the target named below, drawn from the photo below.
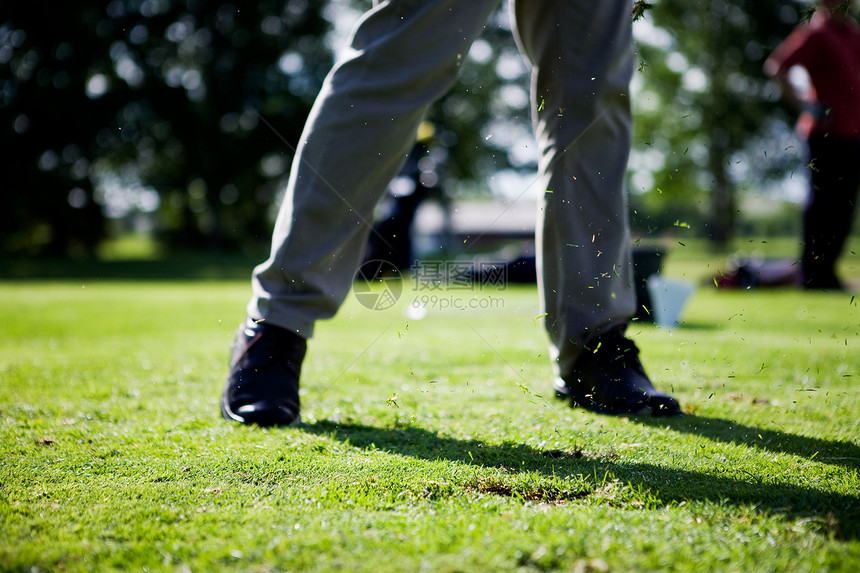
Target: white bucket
(668, 298)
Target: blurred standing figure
(828, 48)
(403, 56)
(391, 237)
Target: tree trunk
(722, 220)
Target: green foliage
(707, 117)
(197, 106)
(169, 95)
(114, 456)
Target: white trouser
(403, 56)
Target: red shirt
(829, 50)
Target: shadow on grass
(844, 454)
(834, 513)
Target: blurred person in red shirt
(828, 48)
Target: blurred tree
(190, 109)
(197, 100)
(49, 127)
(706, 116)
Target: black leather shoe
(263, 386)
(608, 378)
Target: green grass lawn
(428, 445)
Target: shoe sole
(586, 402)
(231, 416)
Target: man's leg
(582, 57)
(583, 61)
(403, 56)
(829, 214)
